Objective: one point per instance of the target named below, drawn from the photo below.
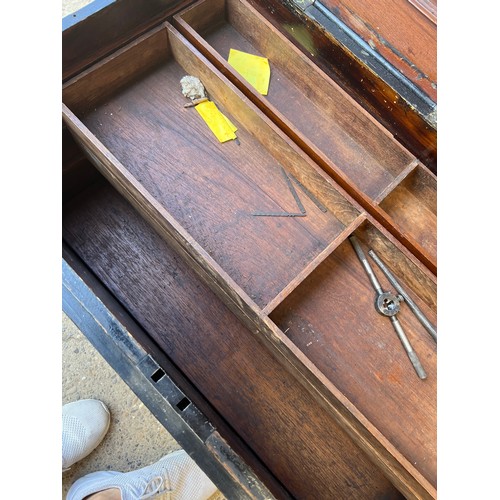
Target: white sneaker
(175, 476)
(84, 424)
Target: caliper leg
(408, 348)
(379, 304)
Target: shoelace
(154, 490)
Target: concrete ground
(135, 438)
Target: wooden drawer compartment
(314, 111)
(210, 189)
(332, 319)
(297, 440)
(127, 114)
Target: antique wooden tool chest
(228, 283)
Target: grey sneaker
(84, 424)
(175, 477)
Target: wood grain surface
(272, 412)
(304, 99)
(331, 317)
(212, 189)
(335, 131)
(199, 194)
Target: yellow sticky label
(254, 69)
(218, 123)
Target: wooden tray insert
(127, 114)
(333, 129)
(133, 106)
(331, 318)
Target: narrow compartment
(331, 317)
(132, 104)
(354, 149)
(301, 95)
(413, 206)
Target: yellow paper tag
(254, 69)
(218, 123)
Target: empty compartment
(309, 105)
(331, 318)
(128, 112)
(413, 207)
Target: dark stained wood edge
(372, 58)
(103, 26)
(109, 327)
(390, 60)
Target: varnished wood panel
(403, 32)
(273, 413)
